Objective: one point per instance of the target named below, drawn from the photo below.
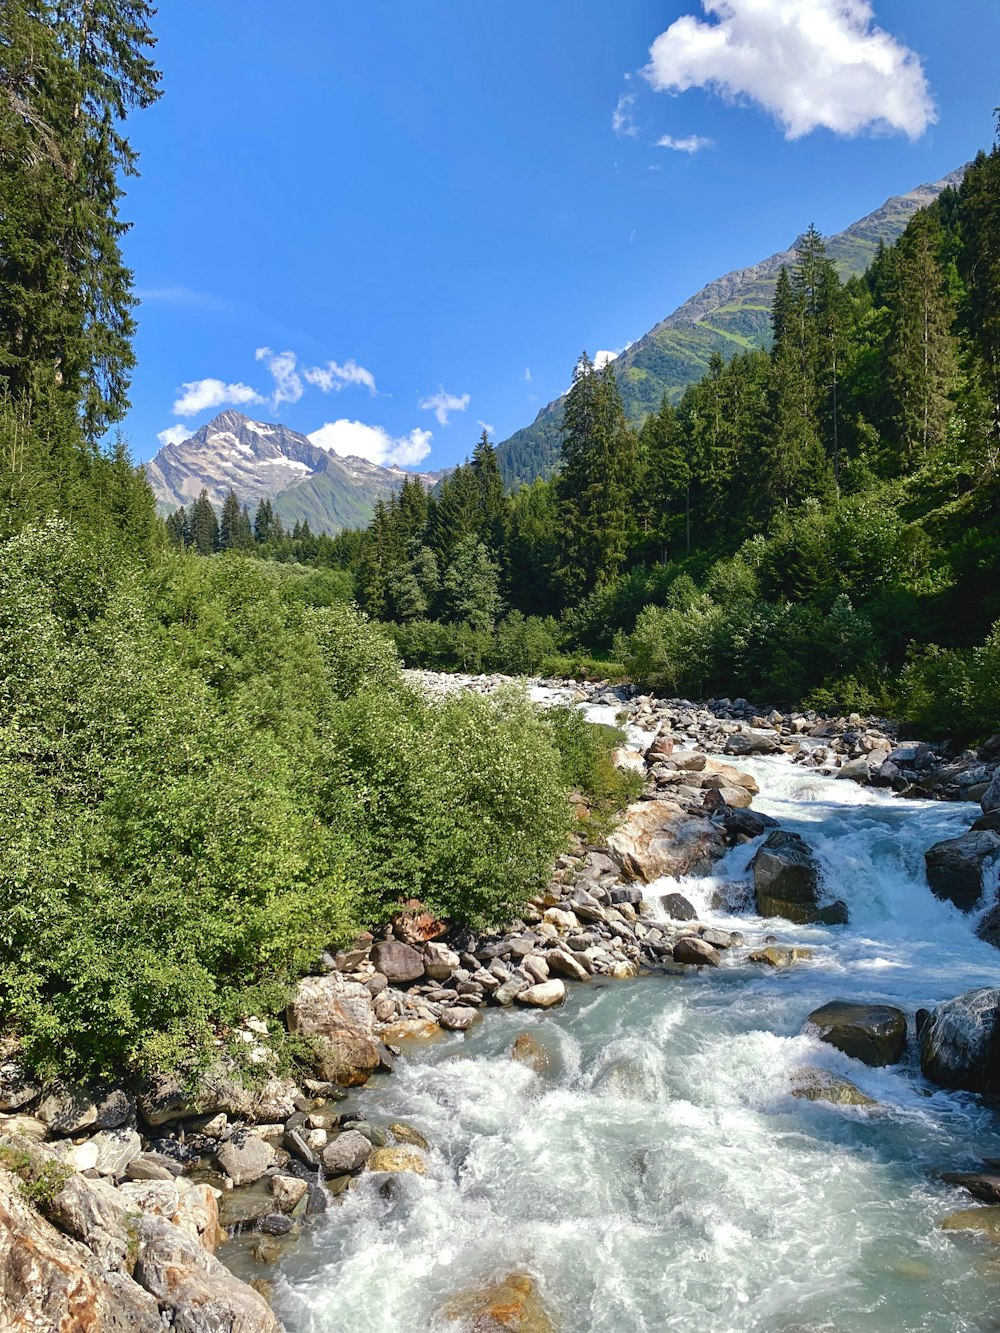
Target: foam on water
(660, 1175)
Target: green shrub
(585, 751)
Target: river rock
(511, 1305)
(819, 1085)
(398, 962)
(185, 1203)
(955, 867)
(990, 799)
(440, 961)
(692, 950)
(348, 1152)
(182, 1094)
(779, 955)
(338, 1015)
(988, 928)
(397, 1158)
(459, 1018)
(153, 1166)
(115, 1151)
(528, 1050)
(981, 1185)
(984, 1220)
(719, 797)
(786, 882)
(657, 838)
(199, 1291)
(245, 1158)
(16, 1088)
(748, 742)
(872, 1033)
(288, 1191)
(563, 962)
(69, 1110)
(678, 908)
(407, 1134)
(960, 1043)
(49, 1282)
(543, 996)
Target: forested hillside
(819, 521)
(728, 316)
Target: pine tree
(665, 486)
(493, 506)
(176, 526)
(920, 350)
(979, 266)
(471, 586)
(204, 526)
(263, 523)
(595, 486)
(229, 523)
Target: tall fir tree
(204, 525)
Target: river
(660, 1175)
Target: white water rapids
(660, 1175)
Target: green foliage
(585, 751)
(207, 781)
(41, 1179)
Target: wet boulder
(511, 1305)
(678, 908)
(982, 1185)
(543, 996)
(528, 1050)
(694, 951)
(397, 1158)
(990, 799)
(786, 882)
(819, 1085)
(657, 838)
(960, 1042)
(749, 742)
(955, 867)
(988, 928)
(872, 1033)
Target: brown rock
(396, 1159)
(657, 838)
(407, 1134)
(692, 950)
(511, 1305)
(415, 924)
(398, 962)
(529, 1051)
(819, 1085)
(338, 1014)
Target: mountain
(266, 461)
(730, 315)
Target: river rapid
(659, 1175)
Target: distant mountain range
(266, 461)
(728, 316)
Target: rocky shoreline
(118, 1198)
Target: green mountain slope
(730, 315)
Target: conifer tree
(921, 363)
(204, 526)
(595, 486)
(263, 523)
(229, 523)
(493, 507)
(979, 265)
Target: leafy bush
(585, 751)
(204, 782)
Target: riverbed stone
(440, 961)
(245, 1158)
(510, 1305)
(872, 1033)
(288, 1191)
(528, 1050)
(749, 743)
(980, 1184)
(779, 955)
(458, 1018)
(819, 1085)
(399, 1157)
(338, 1015)
(398, 962)
(955, 867)
(564, 963)
(543, 996)
(658, 838)
(984, 1220)
(691, 949)
(678, 908)
(407, 1134)
(786, 882)
(348, 1152)
(960, 1042)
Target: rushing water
(659, 1175)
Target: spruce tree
(263, 523)
(596, 483)
(204, 526)
(979, 265)
(229, 523)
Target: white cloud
(601, 359)
(335, 377)
(355, 439)
(442, 404)
(287, 380)
(810, 63)
(623, 116)
(691, 144)
(527, 374)
(198, 396)
(174, 434)
(487, 427)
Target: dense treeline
(819, 521)
(210, 765)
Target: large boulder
(692, 950)
(956, 866)
(749, 742)
(786, 882)
(440, 961)
(960, 1042)
(544, 995)
(338, 1015)
(245, 1158)
(399, 963)
(184, 1203)
(511, 1305)
(990, 799)
(200, 1293)
(872, 1033)
(657, 838)
(49, 1281)
(70, 1110)
(819, 1085)
(348, 1152)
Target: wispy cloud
(527, 374)
(623, 116)
(486, 427)
(810, 63)
(335, 377)
(442, 404)
(358, 440)
(692, 144)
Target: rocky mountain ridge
(269, 461)
(729, 315)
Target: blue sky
(393, 222)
